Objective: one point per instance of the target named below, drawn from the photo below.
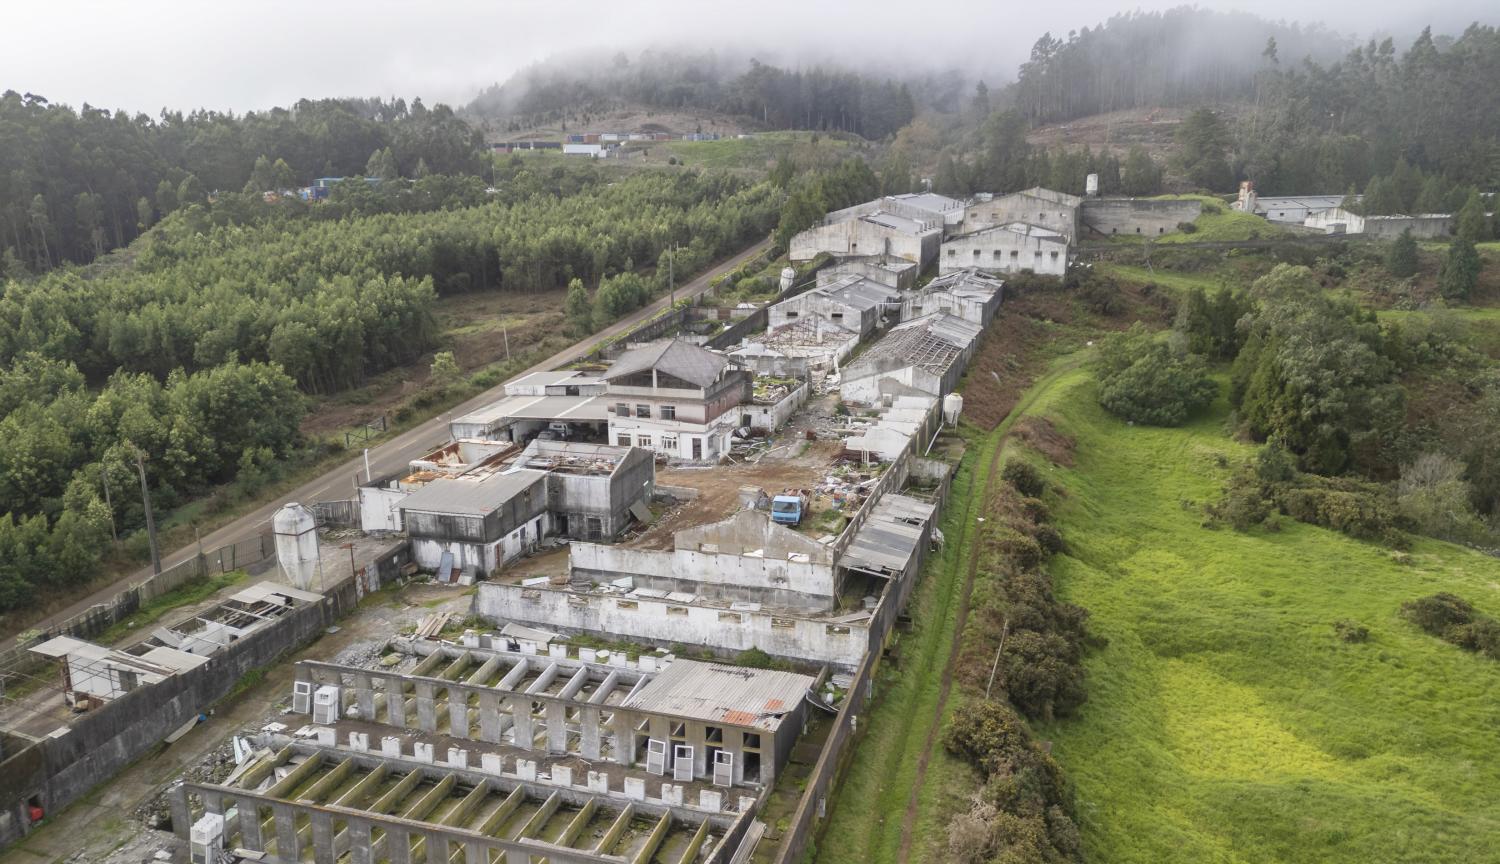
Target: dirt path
(394, 454)
(997, 441)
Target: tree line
(77, 183)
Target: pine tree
(1472, 223)
(578, 307)
(1460, 270)
(1401, 258)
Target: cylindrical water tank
(296, 544)
(788, 276)
(1091, 185)
(953, 405)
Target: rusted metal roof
(719, 693)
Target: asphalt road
(388, 457)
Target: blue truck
(787, 509)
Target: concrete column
(624, 723)
(520, 712)
(490, 727)
(697, 738)
(182, 815)
(474, 853)
(588, 727)
(426, 707)
(250, 825)
(437, 848)
(395, 702)
(557, 727)
(322, 837)
(458, 713)
(397, 845)
(285, 818)
(364, 696)
(213, 802)
(734, 744)
(359, 843)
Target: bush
(1351, 631)
(1024, 476)
(1440, 614)
(1187, 227)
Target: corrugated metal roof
(548, 379)
(679, 359)
(471, 497)
(723, 694)
(930, 201)
(888, 539)
(898, 223)
(539, 408)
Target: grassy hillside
(1226, 720)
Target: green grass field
(1226, 722)
(1221, 223)
(756, 152)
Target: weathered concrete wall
(380, 509)
(1147, 216)
(1003, 251)
(769, 418)
(859, 237)
(665, 623)
(102, 742)
(1422, 227)
(1020, 207)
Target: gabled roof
(966, 281)
(1023, 229)
(858, 292)
(719, 693)
(1062, 198)
(679, 359)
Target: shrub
(1144, 381)
(1187, 227)
(1351, 631)
(1439, 614)
(1024, 476)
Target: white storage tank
(953, 405)
(296, 544)
(788, 276)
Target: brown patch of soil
(1040, 435)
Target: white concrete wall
(715, 435)
(484, 557)
(865, 388)
(1017, 207)
(380, 509)
(666, 623)
(994, 250)
(858, 237)
(773, 417)
(708, 569)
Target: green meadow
(1226, 721)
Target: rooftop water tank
(953, 405)
(296, 544)
(1091, 185)
(788, 276)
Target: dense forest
(76, 183)
(823, 98)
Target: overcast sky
(143, 55)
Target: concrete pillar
(474, 853)
(364, 696)
(562, 775)
(397, 845)
(421, 751)
(250, 824)
(492, 763)
(426, 706)
(635, 788)
(182, 815)
(588, 728)
(359, 843)
(520, 712)
(557, 727)
(395, 702)
(624, 723)
(437, 848)
(710, 801)
(285, 819)
(458, 758)
(490, 727)
(458, 714)
(671, 793)
(213, 802)
(697, 738)
(322, 838)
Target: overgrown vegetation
(1145, 380)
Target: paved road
(394, 454)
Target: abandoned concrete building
(914, 237)
(475, 526)
(927, 354)
(1012, 247)
(852, 302)
(567, 403)
(970, 294)
(896, 273)
(1146, 217)
(820, 342)
(1057, 211)
(1428, 226)
(677, 399)
(1289, 210)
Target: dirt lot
(801, 464)
(475, 327)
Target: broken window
(622, 410)
(643, 411)
(530, 594)
(623, 440)
(627, 605)
(680, 611)
(643, 440)
(731, 618)
(594, 527)
(668, 412)
(669, 443)
(952, 252)
(837, 630)
(783, 624)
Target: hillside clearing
(1226, 721)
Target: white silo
(953, 405)
(788, 276)
(1091, 186)
(296, 544)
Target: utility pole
(1005, 629)
(104, 481)
(140, 466)
(672, 276)
(505, 331)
